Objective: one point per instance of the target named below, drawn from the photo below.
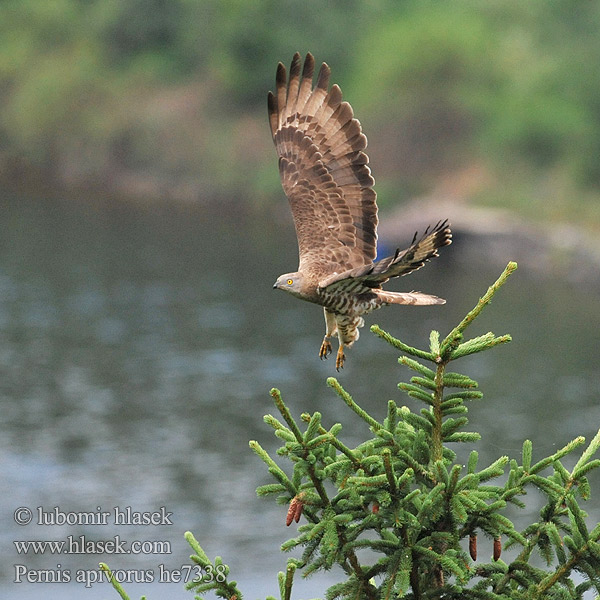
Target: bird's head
(291, 283)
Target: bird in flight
(325, 175)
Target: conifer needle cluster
(401, 516)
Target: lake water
(138, 346)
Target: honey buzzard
(325, 175)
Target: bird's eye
(290, 281)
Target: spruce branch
(587, 455)
(402, 495)
(285, 413)
(438, 414)
(345, 396)
(417, 366)
(213, 575)
(274, 469)
(401, 345)
(329, 530)
(434, 343)
(113, 581)
(286, 580)
(542, 464)
(474, 313)
(331, 437)
(478, 344)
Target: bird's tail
(415, 298)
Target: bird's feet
(340, 358)
(325, 350)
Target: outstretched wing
(401, 263)
(324, 171)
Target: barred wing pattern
(324, 171)
(420, 251)
(326, 177)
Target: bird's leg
(331, 329)
(325, 349)
(347, 335)
(340, 358)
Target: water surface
(138, 346)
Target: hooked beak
(275, 286)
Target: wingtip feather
(281, 77)
(323, 78)
(315, 123)
(309, 66)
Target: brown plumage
(326, 176)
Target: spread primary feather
(326, 176)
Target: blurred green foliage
(167, 97)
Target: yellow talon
(325, 350)
(340, 358)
